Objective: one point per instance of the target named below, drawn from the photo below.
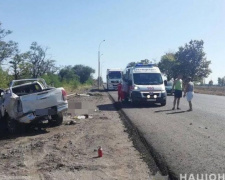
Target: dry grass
(70, 89)
(213, 90)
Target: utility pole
(99, 63)
(101, 69)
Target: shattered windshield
(148, 79)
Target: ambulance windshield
(148, 79)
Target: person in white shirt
(189, 92)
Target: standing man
(189, 92)
(177, 88)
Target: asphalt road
(189, 142)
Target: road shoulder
(70, 150)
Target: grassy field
(69, 89)
(213, 90)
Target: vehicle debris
(85, 116)
(84, 95)
(88, 116)
(71, 122)
(80, 117)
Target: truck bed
(41, 100)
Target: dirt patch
(70, 151)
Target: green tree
(210, 82)
(5, 78)
(40, 63)
(15, 63)
(84, 72)
(52, 79)
(167, 65)
(68, 74)
(90, 81)
(131, 64)
(7, 49)
(144, 61)
(221, 81)
(192, 61)
(19, 66)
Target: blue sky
(133, 29)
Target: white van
(144, 82)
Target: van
(169, 86)
(144, 83)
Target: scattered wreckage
(29, 101)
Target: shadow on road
(140, 105)
(106, 107)
(177, 112)
(118, 105)
(163, 110)
(97, 90)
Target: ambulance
(144, 83)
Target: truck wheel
(56, 119)
(3, 123)
(163, 104)
(12, 125)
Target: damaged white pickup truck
(29, 101)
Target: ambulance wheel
(126, 99)
(133, 102)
